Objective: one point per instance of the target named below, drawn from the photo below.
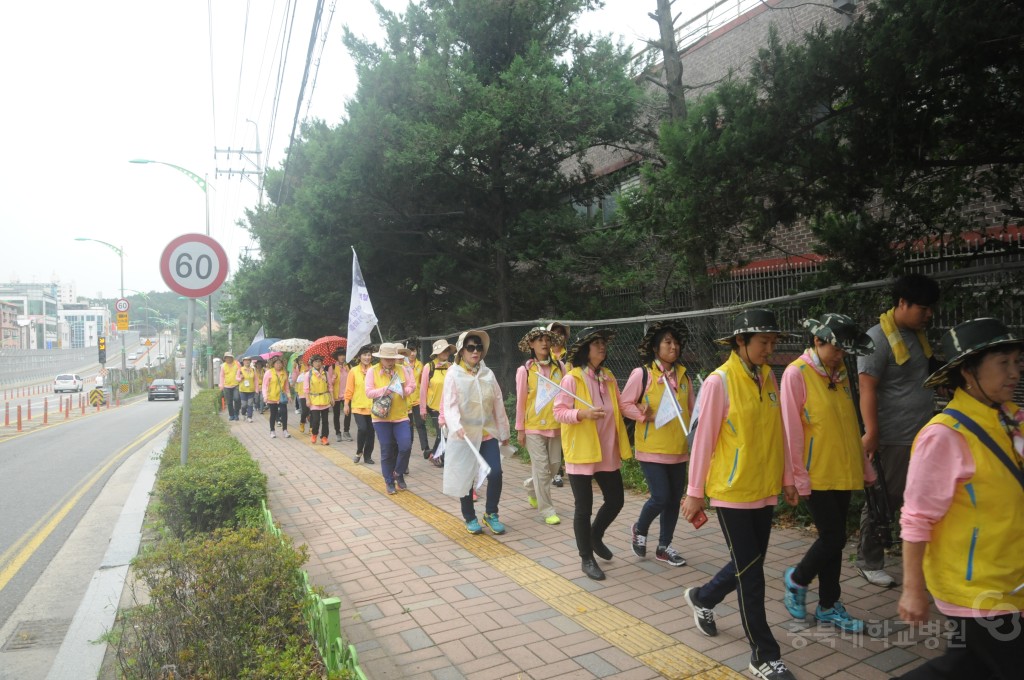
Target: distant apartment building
(82, 324)
(37, 307)
(68, 294)
(10, 332)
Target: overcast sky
(89, 85)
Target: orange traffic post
(19, 417)
(29, 417)
(46, 410)
(7, 414)
(67, 411)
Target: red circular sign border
(165, 265)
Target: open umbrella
(267, 356)
(260, 347)
(292, 345)
(325, 347)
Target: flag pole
(675, 405)
(579, 399)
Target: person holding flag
(595, 443)
(389, 386)
(659, 397)
(474, 411)
(431, 387)
(559, 340)
(358, 404)
(337, 375)
(418, 422)
(536, 428)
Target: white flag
(361, 318)
(396, 386)
(260, 335)
(546, 391)
(666, 409)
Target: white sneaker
(273, 435)
(248, 420)
(286, 435)
(877, 577)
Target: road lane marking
(64, 421)
(645, 643)
(30, 541)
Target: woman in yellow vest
(276, 394)
(247, 388)
(963, 509)
(661, 447)
(594, 442)
(337, 373)
(559, 340)
(419, 424)
(536, 427)
(431, 388)
(388, 386)
(319, 400)
(358, 404)
(738, 458)
(260, 365)
(823, 436)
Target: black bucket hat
(533, 334)
(646, 348)
(583, 340)
(757, 320)
(967, 339)
(842, 332)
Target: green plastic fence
(323, 616)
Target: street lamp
(120, 254)
(204, 185)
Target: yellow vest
(545, 420)
(747, 462)
(976, 555)
(669, 438)
(832, 453)
(399, 405)
(229, 374)
(319, 389)
(360, 402)
(278, 385)
(435, 387)
(417, 371)
(248, 383)
(580, 442)
(338, 377)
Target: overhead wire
(282, 64)
(323, 46)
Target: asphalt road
(48, 479)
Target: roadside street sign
(194, 265)
(122, 321)
(97, 398)
(122, 305)
(104, 372)
(124, 388)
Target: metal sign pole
(186, 409)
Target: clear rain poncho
(476, 396)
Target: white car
(68, 382)
(133, 356)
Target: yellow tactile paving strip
(647, 644)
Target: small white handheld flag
(669, 408)
(396, 386)
(361, 318)
(546, 391)
(558, 387)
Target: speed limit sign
(122, 305)
(194, 265)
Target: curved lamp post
(120, 254)
(204, 185)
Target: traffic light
(103, 350)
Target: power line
(282, 64)
(323, 46)
(213, 90)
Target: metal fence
(19, 365)
(966, 294)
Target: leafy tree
(453, 173)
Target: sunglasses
(473, 348)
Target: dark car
(163, 388)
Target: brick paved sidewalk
(424, 600)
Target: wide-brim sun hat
(646, 348)
(565, 330)
(840, 331)
(391, 350)
(756, 320)
(967, 339)
(583, 340)
(533, 334)
(485, 339)
(440, 346)
(229, 354)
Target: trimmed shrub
(210, 494)
(220, 606)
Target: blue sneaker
(494, 523)
(473, 526)
(840, 618)
(795, 596)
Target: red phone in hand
(699, 520)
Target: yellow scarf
(887, 320)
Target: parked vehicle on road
(163, 388)
(68, 382)
(133, 356)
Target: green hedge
(221, 486)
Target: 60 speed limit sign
(194, 265)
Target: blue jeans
(248, 399)
(395, 445)
(492, 455)
(667, 483)
(746, 533)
